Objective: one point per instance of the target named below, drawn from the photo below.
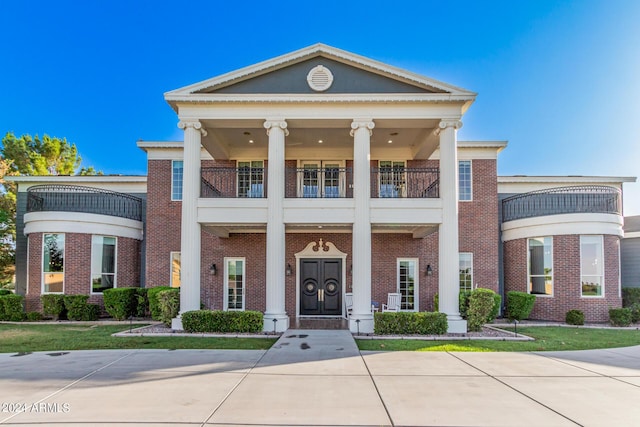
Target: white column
(190, 228)
(275, 316)
(361, 318)
(449, 275)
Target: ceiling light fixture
(320, 141)
(251, 141)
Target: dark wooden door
(321, 287)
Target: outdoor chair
(393, 303)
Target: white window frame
(460, 255)
(416, 284)
(321, 165)
(250, 161)
(173, 199)
(402, 190)
(553, 283)
(43, 273)
(470, 199)
(172, 254)
(115, 264)
(602, 276)
(226, 283)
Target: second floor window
(176, 179)
(392, 179)
(464, 180)
(251, 179)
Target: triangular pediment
(296, 72)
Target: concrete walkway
(312, 377)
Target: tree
(27, 155)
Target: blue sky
(560, 80)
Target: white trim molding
(556, 225)
(82, 223)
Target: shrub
(402, 323)
(53, 305)
(222, 321)
(574, 317)
(152, 296)
(463, 303)
(142, 303)
(635, 312)
(169, 304)
(34, 316)
(78, 309)
(519, 305)
(620, 316)
(12, 308)
(120, 303)
(481, 304)
(497, 302)
(630, 296)
(5, 292)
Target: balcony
(72, 198)
(563, 200)
(320, 183)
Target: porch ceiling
(224, 230)
(236, 139)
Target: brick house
(313, 176)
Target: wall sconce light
(429, 270)
(289, 271)
(214, 269)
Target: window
(541, 266)
(466, 271)
(175, 270)
(591, 266)
(251, 179)
(234, 284)
(408, 284)
(464, 180)
(103, 263)
(321, 179)
(392, 179)
(176, 179)
(53, 263)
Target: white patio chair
(393, 303)
(348, 303)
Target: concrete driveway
(312, 377)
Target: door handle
(321, 295)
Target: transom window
(392, 179)
(408, 284)
(251, 178)
(540, 262)
(53, 263)
(464, 180)
(103, 263)
(466, 271)
(176, 179)
(234, 283)
(591, 266)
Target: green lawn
(24, 338)
(547, 338)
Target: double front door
(321, 287)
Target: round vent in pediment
(320, 78)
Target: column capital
(282, 124)
(194, 124)
(362, 123)
(456, 124)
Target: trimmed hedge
(5, 292)
(169, 304)
(481, 303)
(403, 323)
(152, 297)
(519, 305)
(120, 303)
(497, 302)
(575, 317)
(635, 312)
(630, 296)
(620, 316)
(78, 309)
(12, 308)
(34, 316)
(222, 321)
(53, 305)
(142, 302)
(463, 305)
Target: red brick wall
(77, 266)
(566, 277)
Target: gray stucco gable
(293, 79)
